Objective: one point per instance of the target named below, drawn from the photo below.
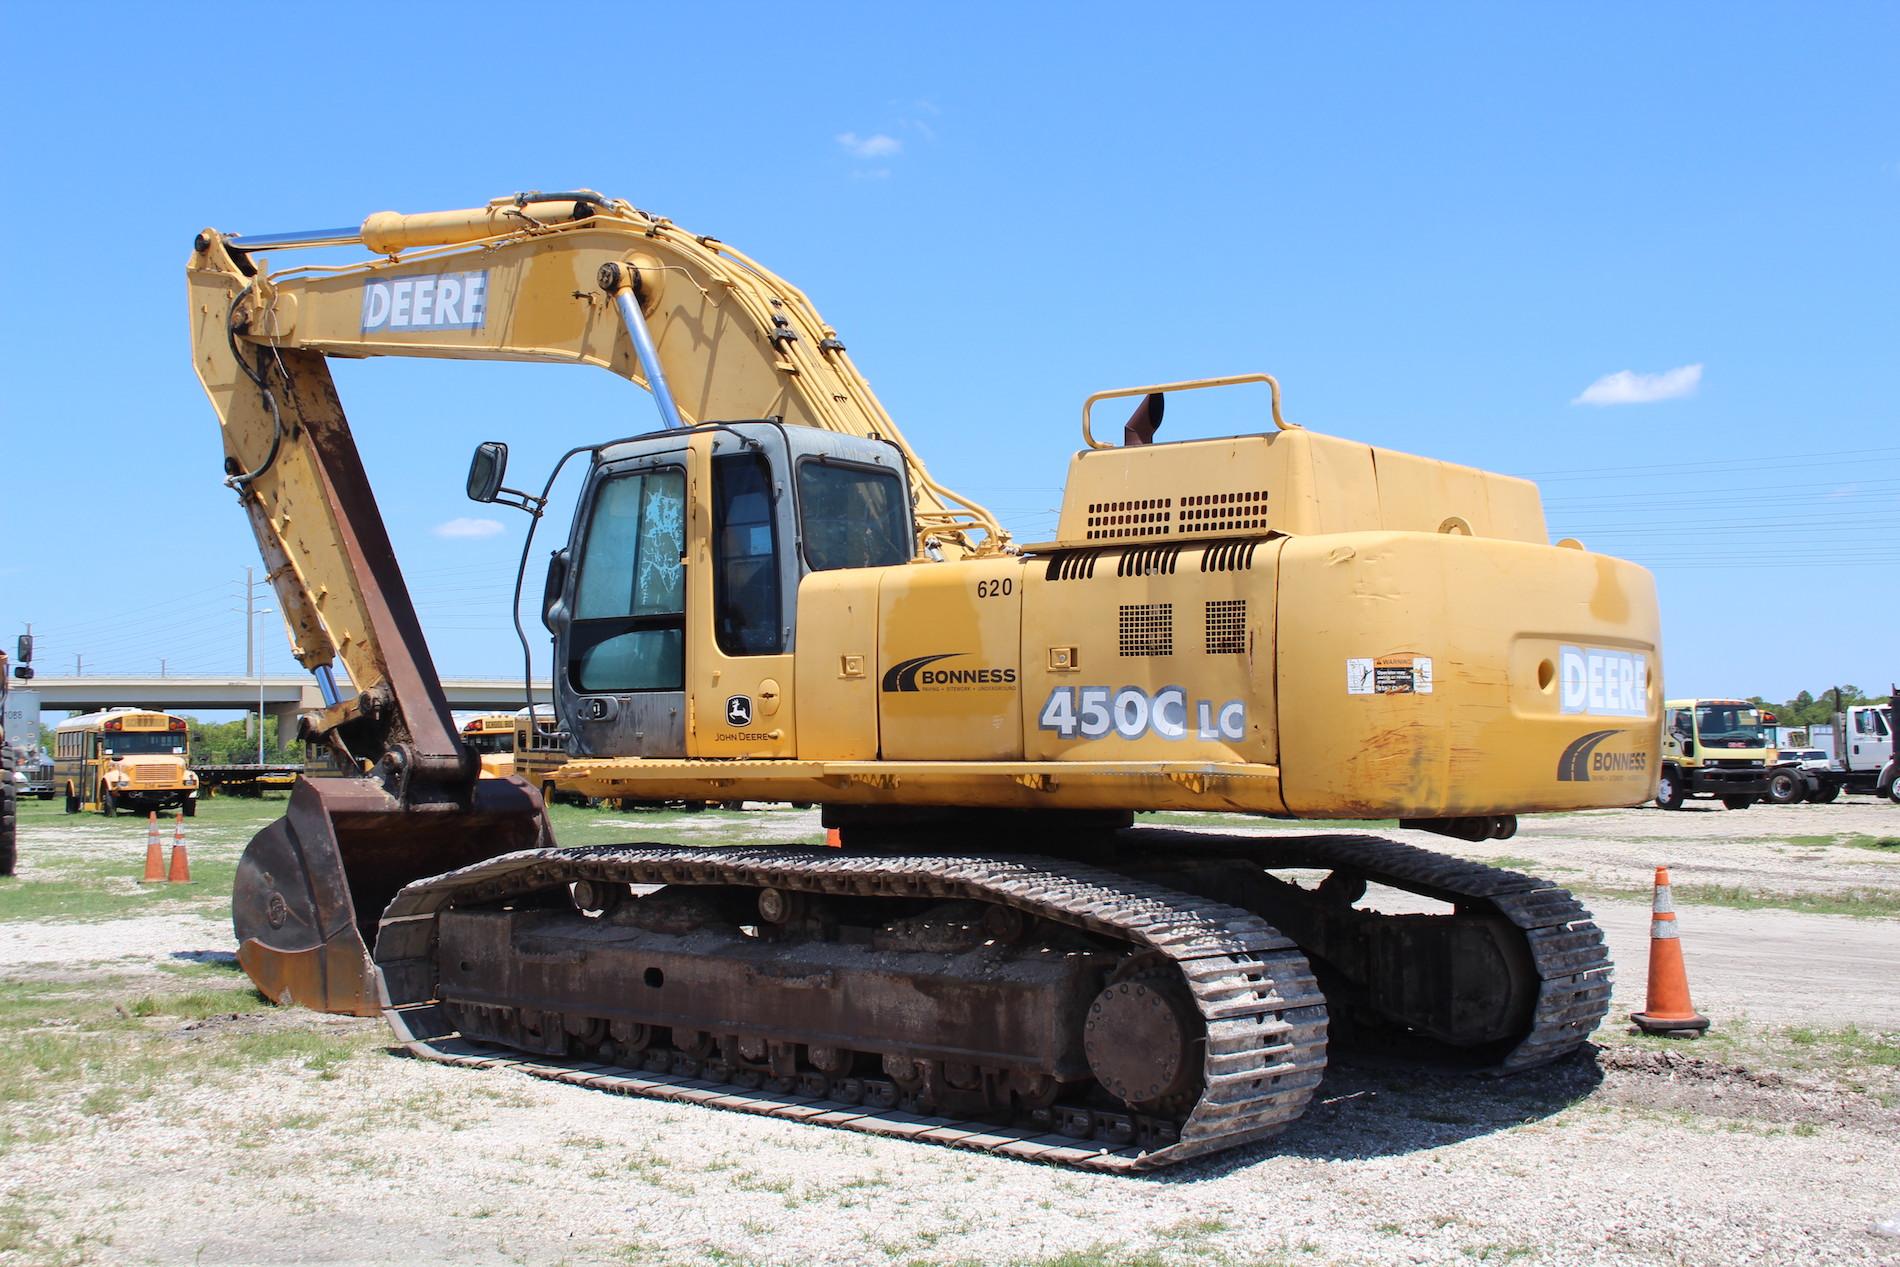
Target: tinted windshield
(130, 743)
(502, 741)
(854, 516)
(1730, 726)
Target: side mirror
(25, 648)
(24, 672)
(486, 470)
(1688, 747)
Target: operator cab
(674, 604)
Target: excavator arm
(565, 278)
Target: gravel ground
(235, 1150)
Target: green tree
(225, 743)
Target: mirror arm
(519, 500)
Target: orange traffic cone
(181, 865)
(834, 839)
(1667, 1009)
(154, 860)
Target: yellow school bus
(492, 736)
(540, 748)
(125, 759)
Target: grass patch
(1861, 903)
(103, 891)
(108, 1047)
(1100, 1256)
(320, 1053)
(1845, 1051)
(1860, 840)
(198, 1004)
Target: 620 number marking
(998, 588)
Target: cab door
(741, 588)
(1678, 734)
(620, 624)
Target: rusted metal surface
(1250, 1010)
(421, 721)
(310, 885)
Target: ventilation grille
(1147, 629)
(1119, 521)
(1227, 626)
(1235, 556)
(1074, 565)
(1224, 512)
(1153, 561)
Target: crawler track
(1566, 948)
(1264, 1017)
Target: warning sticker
(1404, 674)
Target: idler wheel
(1140, 1040)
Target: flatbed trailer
(245, 779)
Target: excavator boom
(569, 278)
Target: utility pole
(250, 652)
(79, 665)
(161, 666)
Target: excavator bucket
(312, 885)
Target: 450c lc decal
(1095, 712)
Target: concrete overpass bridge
(283, 697)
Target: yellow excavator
(767, 597)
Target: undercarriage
(1172, 997)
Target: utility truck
(1719, 748)
(1863, 759)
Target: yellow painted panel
(1142, 655)
(1419, 494)
(837, 665)
(1421, 676)
(1308, 483)
(948, 669)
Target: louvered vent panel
(1227, 626)
(1147, 629)
(1151, 561)
(1233, 556)
(1077, 565)
(1224, 512)
(1120, 521)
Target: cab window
(628, 631)
(745, 558)
(852, 516)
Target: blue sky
(1440, 227)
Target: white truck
(1864, 758)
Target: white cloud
(1627, 387)
(464, 528)
(876, 145)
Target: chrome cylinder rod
(348, 235)
(636, 323)
(326, 686)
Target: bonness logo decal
(1581, 762)
(916, 674)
